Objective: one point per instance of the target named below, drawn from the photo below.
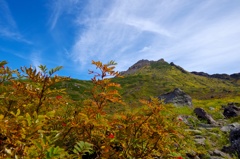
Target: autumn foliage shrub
(38, 121)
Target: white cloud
(35, 58)
(198, 35)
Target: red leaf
(64, 124)
(58, 97)
(111, 136)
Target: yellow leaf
(1, 116)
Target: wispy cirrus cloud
(60, 8)
(6, 17)
(198, 35)
(8, 26)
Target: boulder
(177, 97)
(229, 127)
(234, 135)
(202, 114)
(231, 110)
(234, 138)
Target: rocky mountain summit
(140, 64)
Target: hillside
(152, 78)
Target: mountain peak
(142, 63)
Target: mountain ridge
(144, 62)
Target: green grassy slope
(157, 78)
(161, 77)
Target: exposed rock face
(235, 75)
(136, 66)
(202, 114)
(231, 110)
(201, 74)
(177, 97)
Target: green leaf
(82, 147)
(51, 151)
(77, 148)
(98, 116)
(37, 144)
(43, 68)
(18, 112)
(51, 113)
(29, 119)
(44, 139)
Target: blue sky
(198, 35)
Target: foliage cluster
(39, 121)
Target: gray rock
(231, 110)
(230, 127)
(206, 126)
(234, 138)
(199, 139)
(211, 108)
(202, 114)
(177, 97)
(220, 153)
(216, 157)
(196, 132)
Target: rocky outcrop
(202, 114)
(136, 67)
(235, 141)
(200, 74)
(178, 67)
(142, 63)
(231, 110)
(177, 97)
(235, 75)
